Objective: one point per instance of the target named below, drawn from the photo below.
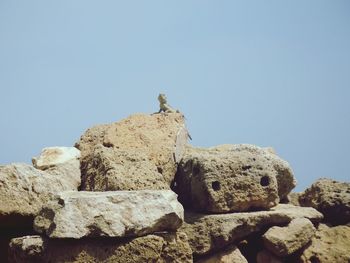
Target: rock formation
(231, 178)
(135, 191)
(140, 152)
(331, 198)
(111, 214)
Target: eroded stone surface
(209, 233)
(331, 198)
(53, 156)
(284, 241)
(330, 244)
(158, 139)
(113, 169)
(229, 255)
(232, 178)
(25, 189)
(112, 214)
(167, 247)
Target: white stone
(53, 156)
(114, 214)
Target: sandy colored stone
(331, 198)
(167, 248)
(330, 244)
(159, 139)
(230, 255)
(210, 233)
(265, 256)
(112, 214)
(284, 241)
(113, 169)
(230, 178)
(293, 199)
(53, 156)
(25, 189)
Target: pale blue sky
(270, 73)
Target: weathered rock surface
(159, 139)
(230, 255)
(167, 247)
(331, 198)
(210, 233)
(112, 214)
(330, 244)
(111, 169)
(284, 241)
(53, 156)
(265, 256)
(293, 199)
(25, 189)
(232, 178)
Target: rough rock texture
(167, 247)
(330, 244)
(230, 255)
(293, 199)
(159, 139)
(232, 178)
(331, 198)
(284, 241)
(112, 214)
(265, 256)
(53, 156)
(24, 189)
(122, 170)
(210, 233)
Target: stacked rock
(135, 191)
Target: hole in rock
(246, 167)
(265, 180)
(215, 185)
(160, 170)
(314, 259)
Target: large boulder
(25, 189)
(113, 214)
(111, 169)
(230, 178)
(331, 198)
(166, 247)
(147, 146)
(210, 233)
(284, 241)
(330, 244)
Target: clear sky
(270, 73)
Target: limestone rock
(167, 247)
(112, 169)
(229, 255)
(284, 241)
(210, 233)
(113, 214)
(25, 189)
(53, 156)
(265, 256)
(232, 178)
(330, 244)
(293, 199)
(331, 198)
(159, 139)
